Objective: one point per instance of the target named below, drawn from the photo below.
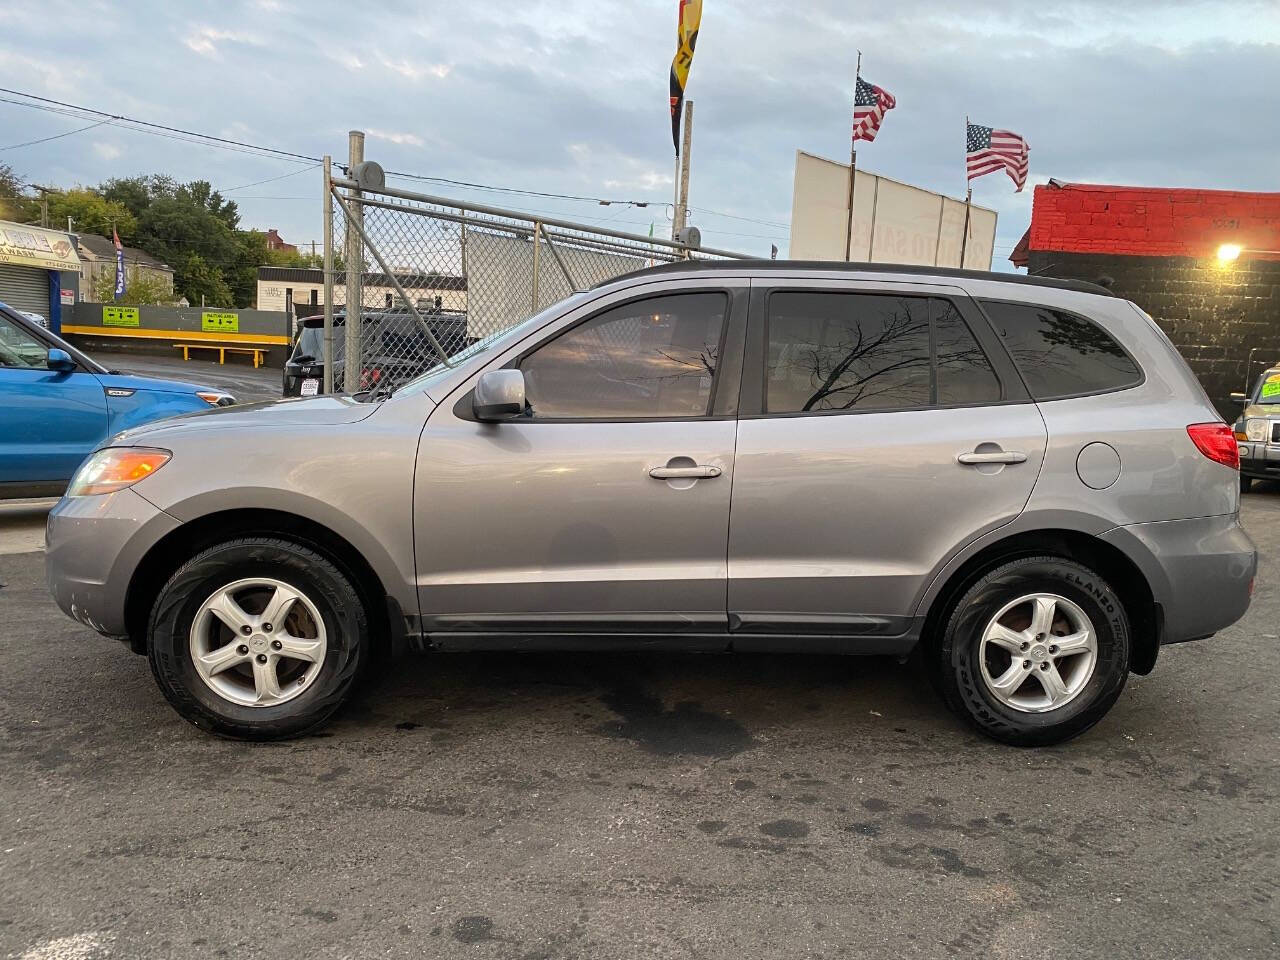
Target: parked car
(400, 353)
(57, 405)
(1257, 430)
(1017, 477)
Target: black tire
(346, 623)
(957, 672)
(1246, 484)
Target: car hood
(1270, 411)
(306, 411)
(129, 381)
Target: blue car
(56, 405)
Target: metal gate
(436, 275)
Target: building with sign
(98, 259)
(39, 271)
(300, 290)
(1204, 263)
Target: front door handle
(696, 472)
(999, 456)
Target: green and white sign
(219, 322)
(120, 317)
(1271, 387)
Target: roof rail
(828, 266)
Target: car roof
(835, 266)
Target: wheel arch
(181, 544)
(1116, 567)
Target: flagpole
(968, 197)
(853, 167)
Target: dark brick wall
(1213, 314)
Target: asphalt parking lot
(237, 376)
(616, 806)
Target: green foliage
(190, 226)
(197, 278)
(140, 289)
(90, 212)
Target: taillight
(1217, 442)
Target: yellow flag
(686, 40)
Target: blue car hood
(129, 381)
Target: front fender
(146, 406)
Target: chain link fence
(438, 274)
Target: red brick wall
(1141, 221)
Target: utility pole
(328, 274)
(680, 218)
(355, 269)
(44, 203)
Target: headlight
(216, 398)
(115, 468)
(1255, 428)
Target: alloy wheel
(1038, 653)
(258, 642)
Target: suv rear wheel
(258, 638)
(1035, 652)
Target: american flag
(991, 150)
(870, 104)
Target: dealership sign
(35, 247)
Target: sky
(570, 96)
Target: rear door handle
(697, 472)
(1000, 456)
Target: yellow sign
(120, 317)
(219, 322)
(35, 247)
(1271, 387)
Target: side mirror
(1240, 398)
(60, 360)
(499, 395)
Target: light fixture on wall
(1229, 252)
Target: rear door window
(862, 351)
(1061, 354)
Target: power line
(256, 183)
(602, 201)
(56, 136)
(146, 126)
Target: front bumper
(93, 545)
(1200, 571)
(1259, 460)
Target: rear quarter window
(1061, 354)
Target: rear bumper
(1200, 571)
(93, 545)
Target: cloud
(205, 40)
(403, 139)
(415, 71)
(107, 151)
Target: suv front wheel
(1035, 652)
(258, 638)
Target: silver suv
(1019, 479)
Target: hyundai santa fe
(1017, 479)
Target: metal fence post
(328, 274)
(355, 270)
(537, 263)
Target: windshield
(421, 381)
(1268, 390)
(311, 343)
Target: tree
(13, 205)
(197, 279)
(90, 212)
(140, 289)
